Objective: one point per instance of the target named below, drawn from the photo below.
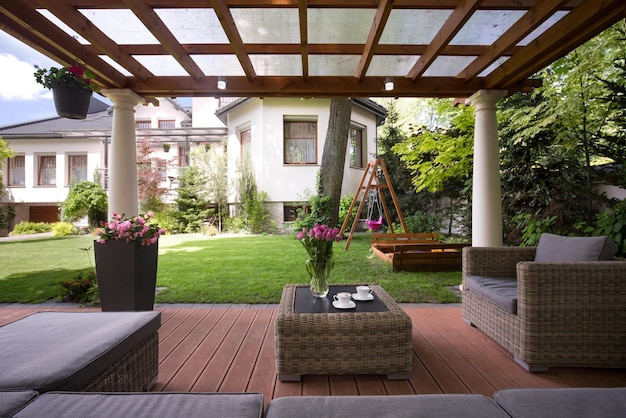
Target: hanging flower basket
(71, 87)
(71, 101)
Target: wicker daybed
(80, 351)
(548, 313)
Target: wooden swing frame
(369, 182)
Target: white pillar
(123, 157)
(487, 196)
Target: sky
(21, 98)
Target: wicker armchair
(568, 314)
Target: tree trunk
(334, 156)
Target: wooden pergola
(477, 50)
(309, 48)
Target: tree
(440, 158)
(193, 208)
(6, 213)
(334, 155)
(150, 172)
(86, 198)
(214, 169)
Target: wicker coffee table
(326, 340)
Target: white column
(487, 196)
(123, 157)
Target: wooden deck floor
(218, 349)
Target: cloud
(19, 82)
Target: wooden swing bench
(417, 252)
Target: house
(53, 153)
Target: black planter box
(126, 273)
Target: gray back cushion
(555, 248)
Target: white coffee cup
(363, 292)
(342, 298)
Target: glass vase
(319, 271)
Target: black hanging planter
(126, 273)
(71, 101)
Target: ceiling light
(389, 84)
(221, 83)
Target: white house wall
(31, 149)
(287, 182)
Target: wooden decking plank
(482, 364)
(172, 363)
(217, 367)
(240, 372)
(283, 389)
(205, 346)
(449, 345)
(446, 377)
(264, 376)
(315, 385)
(343, 385)
(421, 380)
(185, 325)
(370, 384)
(185, 379)
(498, 354)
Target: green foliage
(613, 224)
(86, 198)
(82, 288)
(193, 208)
(5, 152)
(251, 201)
(6, 214)
(440, 158)
(320, 206)
(25, 228)
(421, 222)
(167, 218)
(344, 206)
(63, 229)
(533, 227)
(234, 224)
(213, 165)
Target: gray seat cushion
(12, 400)
(145, 405)
(67, 350)
(555, 248)
(552, 403)
(501, 291)
(449, 406)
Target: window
(245, 138)
(167, 124)
(292, 210)
(300, 142)
(76, 168)
(47, 170)
(143, 124)
(16, 171)
(183, 159)
(355, 147)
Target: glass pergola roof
(441, 48)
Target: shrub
(613, 224)
(86, 198)
(82, 288)
(63, 229)
(25, 228)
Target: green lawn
(197, 269)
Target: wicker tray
(342, 343)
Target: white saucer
(356, 296)
(337, 305)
